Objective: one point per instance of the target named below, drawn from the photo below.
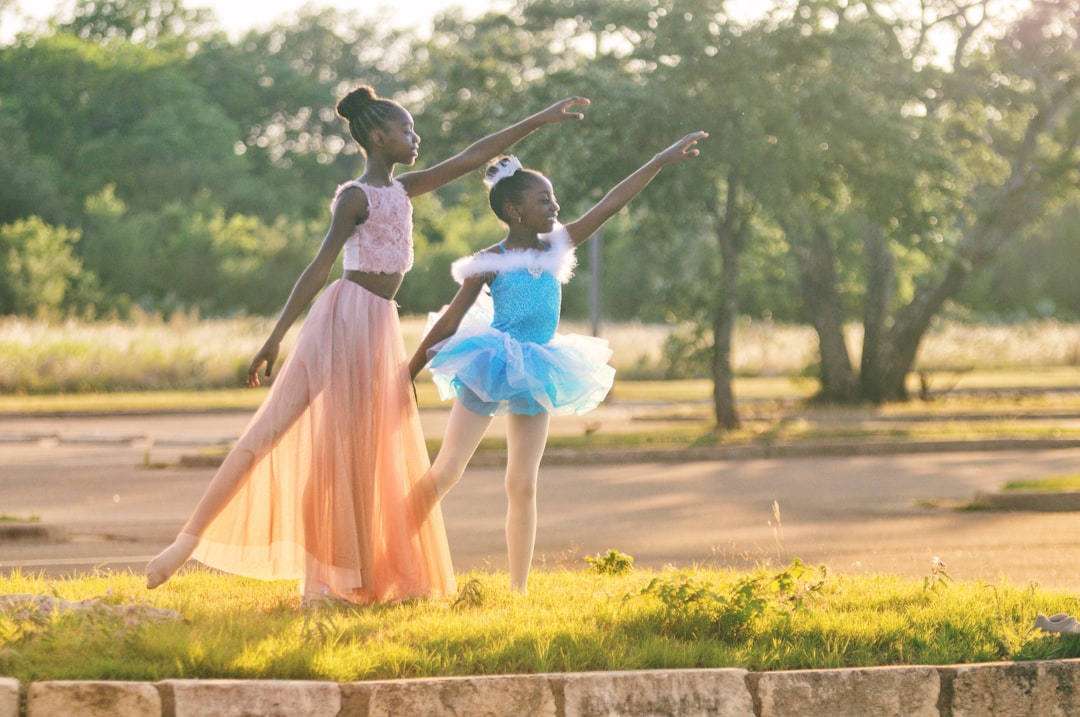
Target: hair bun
(354, 103)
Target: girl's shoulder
(366, 191)
(559, 259)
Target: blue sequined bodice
(527, 308)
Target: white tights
(526, 437)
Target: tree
(707, 69)
(119, 114)
(859, 167)
(37, 266)
(1009, 111)
(147, 22)
(31, 185)
(898, 178)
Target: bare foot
(169, 560)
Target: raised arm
(620, 195)
(482, 151)
(445, 326)
(350, 209)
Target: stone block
(93, 699)
(9, 697)
(1017, 689)
(501, 696)
(681, 693)
(859, 692)
(251, 698)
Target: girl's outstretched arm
(349, 210)
(584, 227)
(445, 326)
(480, 152)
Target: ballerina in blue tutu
(498, 351)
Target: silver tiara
(503, 168)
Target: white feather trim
(559, 261)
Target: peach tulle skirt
(336, 492)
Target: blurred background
(880, 174)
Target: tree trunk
(904, 338)
(729, 230)
(820, 293)
(880, 283)
(724, 318)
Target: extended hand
(561, 110)
(268, 355)
(683, 149)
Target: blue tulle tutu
(493, 373)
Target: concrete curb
(1001, 689)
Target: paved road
(90, 478)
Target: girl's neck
(521, 239)
(378, 172)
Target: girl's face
(400, 140)
(538, 208)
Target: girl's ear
(378, 138)
(511, 212)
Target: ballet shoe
(1061, 623)
(169, 560)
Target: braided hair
(365, 112)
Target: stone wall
(1004, 689)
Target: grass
(1051, 484)
(606, 616)
(188, 353)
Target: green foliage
(690, 609)
(1034, 278)
(31, 185)
(612, 563)
(443, 234)
(688, 352)
(148, 22)
(38, 267)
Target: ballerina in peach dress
(328, 483)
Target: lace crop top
(526, 291)
(383, 243)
